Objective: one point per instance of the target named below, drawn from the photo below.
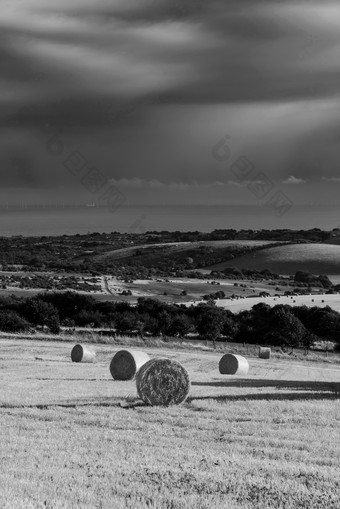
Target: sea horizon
(71, 220)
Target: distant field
(170, 290)
(270, 439)
(236, 305)
(287, 259)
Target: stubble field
(73, 437)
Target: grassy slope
(173, 247)
(317, 258)
(264, 441)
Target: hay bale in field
(163, 382)
(231, 364)
(126, 363)
(81, 353)
(264, 352)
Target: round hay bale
(163, 382)
(231, 364)
(264, 352)
(81, 353)
(126, 363)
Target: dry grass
(267, 440)
(246, 349)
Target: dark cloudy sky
(143, 90)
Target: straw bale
(264, 352)
(163, 382)
(125, 364)
(82, 353)
(231, 364)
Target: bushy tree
(125, 321)
(164, 322)
(151, 306)
(209, 322)
(10, 321)
(304, 276)
(230, 325)
(68, 303)
(286, 330)
(322, 322)
(150, 324)
(253, 324)
(89, 317)
(39, 312)
(325, 281)
(261, 322)
(180, 326)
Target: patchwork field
(287, 259)
(322, 300)
(171, 290)
(73, 437)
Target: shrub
(125, 321)
(10, 321)
(286, 329)
(68, 304)
(209, 323)
(89, 317)
(39, 312)
(180, 326)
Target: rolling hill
(178, 247)
(287, 259)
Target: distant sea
(138, 219)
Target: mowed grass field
(73, 437)
(287, 259)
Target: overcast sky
(142, 92)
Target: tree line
(281, 325)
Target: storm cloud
(145, 89)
